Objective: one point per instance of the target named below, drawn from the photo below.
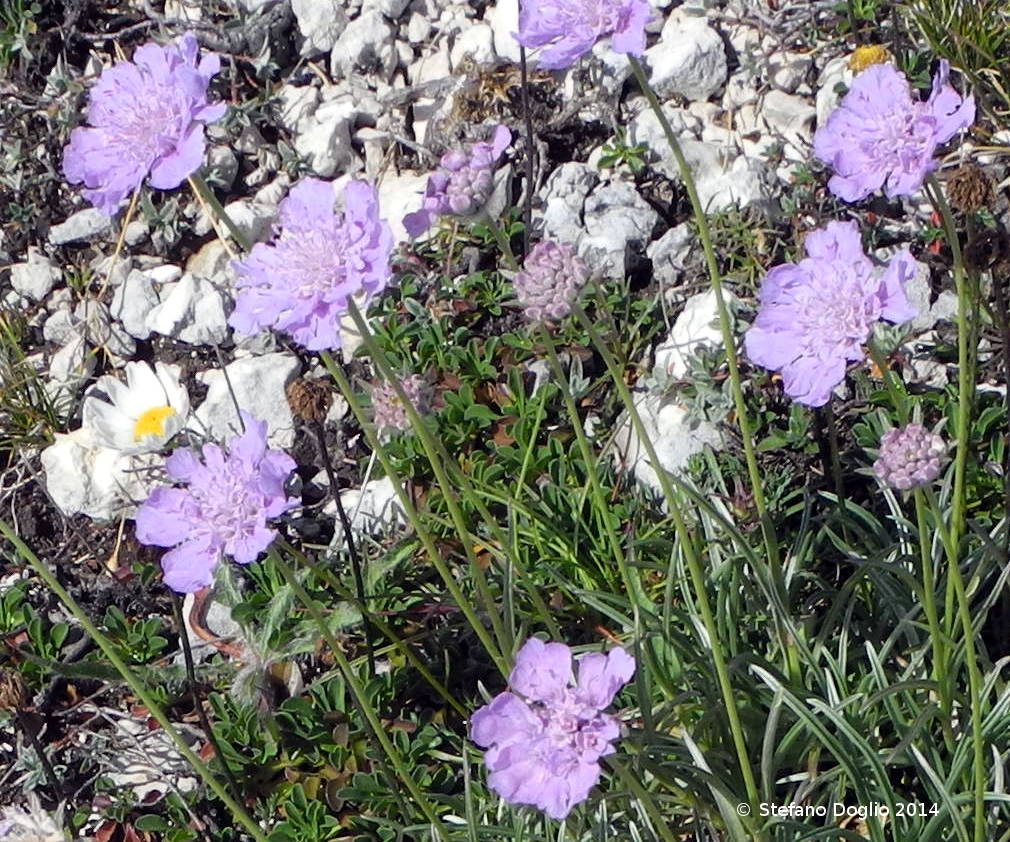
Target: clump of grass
(974, 36)
(28, 415)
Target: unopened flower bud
(387, 408)
(909, 456)
(552, 277)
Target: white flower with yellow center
(141, 415)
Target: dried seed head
(309, 399)
(969, 188)
(13, 694)
(869, 54)
(909, 456)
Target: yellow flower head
(863, 57)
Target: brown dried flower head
(13, 695)
(969, 188)
(309, 399)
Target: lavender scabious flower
(552, 277)
(302, 280)
(147, 118)
(462, 184)
(545, 737)
(388, 410)
(815, 315)
(570, 28)
(909, 456)
(879, 136)
(223, 510)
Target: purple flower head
(387, 408)
(545, 737)
(815, 315)
(147, 118)
(462, 184)
(552, 277)
(909, 456)
(879, 136)
(570, 28)
(223, 510)
(318, 259)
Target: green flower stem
(399, 644)
(937, 638)
(895, 388)
(965, 371)
(415, 520)
(135, 684)
(438, 464)
(729, 342)
(690, 557)
(202, 189)
(444, 462)
(360, 699)
(633, 584)
(965, 399)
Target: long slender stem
(203, 190)
(965, 400)
(690, 557)
(729, 343)
(358, 693)
(937, 639)
(632, 583)
(187, 654)
(134, 683)
(438, 466)
(490, 646)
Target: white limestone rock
(192, 310)
(697, 325)
(669, 255)
(723, 176)
(321, 22)
(372, 509)
(260, 384)
(675, 437)
(789, 117)
(86, 224)
(132, 301)
(35, 278)
(618, 222)
(564, 198)
(503, 18)
(689, 60)
(325, 139)
(398, 195)
(477, 42)
(365, 44)
(297, 105)
(82, 477)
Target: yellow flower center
(863, 57)
(152, 422)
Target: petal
(190, 566)
(836, 241)
(810, 381)
(894, 304)
(542, 671)
(173, 169)
(505, 720)
(601, 676)
(166, 518)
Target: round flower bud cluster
(909, 456)
(468, 188)
(552, 277)
(389, 413)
